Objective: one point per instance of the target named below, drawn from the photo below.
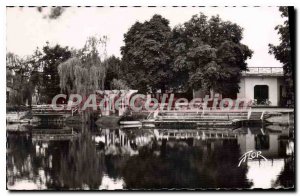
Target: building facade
(263, 85)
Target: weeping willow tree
(85, 72)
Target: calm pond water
(136, 158)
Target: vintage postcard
(150, 98)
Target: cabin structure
(263, 85)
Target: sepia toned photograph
(148, 98)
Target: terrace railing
(265, 70)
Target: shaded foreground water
(61, 157)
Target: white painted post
(262, 115)
(249, 114)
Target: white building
(263, 84)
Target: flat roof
(264, 71)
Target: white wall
(247, 87)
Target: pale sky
(27, 29)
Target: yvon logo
(251, 155)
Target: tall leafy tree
(208, 54)
(36, 76)
(18, 73)
(114, 74)
(283, 51)
(146, 55)
(53, 56)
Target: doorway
(261, 93)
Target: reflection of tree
(77, 164)
(82, 166)
(187, 167)
(224, 162)
(24, 161)
(286, 177)
(114, 165)
(63, 164)
(18, 159)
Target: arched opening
(261, 93)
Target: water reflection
(65, 157)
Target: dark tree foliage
(53, 56)
(283, 52)
(208, 54)
(36, 73)
(286, 178)
(146, 55)
(21, 74)
(113, 71)
(200, 54)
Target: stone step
(200, 114)
(255, 116)
(190, 121)
(202, 118)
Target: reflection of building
(269, 144)
(196, 134)
(272, 145)
(113, 137)
(53, 134)
(117, 141)
(40, 147)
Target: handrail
(264, 70)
